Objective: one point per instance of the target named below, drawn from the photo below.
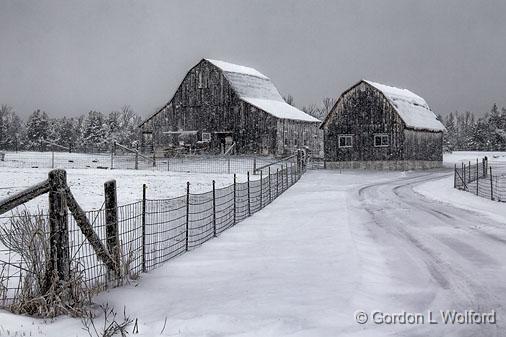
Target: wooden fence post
(111, 222)
(477, 176)
(214, 208)
(113, 146)
(270, 186)
(187, 214)
(254, 165)
(491, 185)
(469, 171)
(235, 189)
(144, 188)
(261, 190)
(228, 164)
(455, 177)
(59, 260)
(286, 169)
(52, 157)
(249, 198)
(136, 159)
(277, 182)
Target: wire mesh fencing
(132, 160)
(483, 178)
(151, 232)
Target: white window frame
(382, 137)
(350, 137)
(206, 136)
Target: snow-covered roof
(257, 89)
(412, 109)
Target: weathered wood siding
(292, 135)
(363, 112)
(423, 145)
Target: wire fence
(129, 160)
(482, 178)
(151, 232)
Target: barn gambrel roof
(256, 89)
(411, 108)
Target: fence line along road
(483, 178)
(151, 231)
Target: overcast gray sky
(68, 57)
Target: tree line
(89, 132)
(465, 131)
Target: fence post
(277, 182)
(214, 208)
(254, 165)
(136, 159)
(168, 164)
(228, 164)
(154, 158)
(59, 260)
(455, 177)
(469, 170)
(187, 213)
(477, 176)
(270, 187)
(491, 185)
(113, 145)
(144, 187)
(249, 198)
(52, 157)
(261, 190)
(235, 189)
(286, 176)
(111, 223)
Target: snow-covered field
(88, 184)
(331, 245)
(456, 157)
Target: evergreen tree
(36, 130)
(94, 133)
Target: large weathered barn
(378, 126)
(219, 104)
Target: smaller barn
(377, 126)
(220, 106)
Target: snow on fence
(149, 232)
(483, 178)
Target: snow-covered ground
(88, 184)
(456, 157)
(331, 245)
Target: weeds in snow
(112, 325)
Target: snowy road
(331, 245)
(439, 257)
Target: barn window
(206, 136)
(381, 140)
(345, 141)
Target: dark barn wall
(206, 102)
(294, 134)
(423, 145)
(363, 112)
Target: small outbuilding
(220, 106)
(377, 126)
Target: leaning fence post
(477, 176)
(59, 260)
(249, 198)
(270, 186)
(261, 190)
(144, 187)
(235, 189)
(187, 214)
(491, 185)
(214, 208)
(111, 222)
